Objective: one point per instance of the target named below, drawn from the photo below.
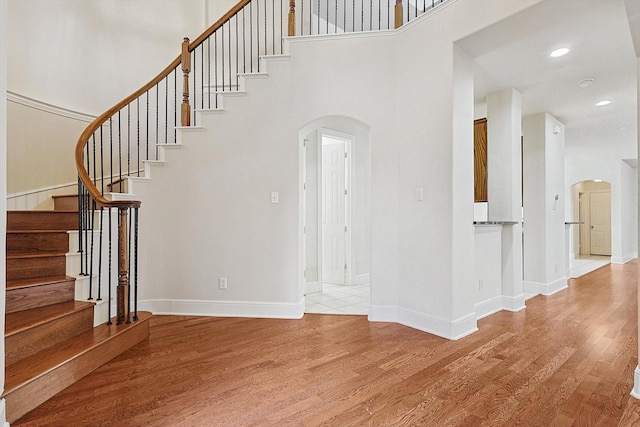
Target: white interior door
(600, 218)
(334, 262)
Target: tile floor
(339, 299)
(587, 263)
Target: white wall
(223, 224)
(580, 166)
(62, 50)
(3, 188)
(545, 249)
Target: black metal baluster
(335, 19)
(201, 77)
(215, 68)
(362, 15)
(251, 35)
(244, 41)
(101, 161)
(222, 56)
(209, 72)
(80, 222)
(129, 241)
(195, 83)
(128, 140)
(228, 24)
(135, 264)
(302, 18)
(109, 322)
(175, 105)
(258, 33)
(265, 28)
(353, 15)
(166, 110)
(119, 152)
(111, 152)
(91, 227)
(138, 132)
(147, 135)
(99, 298)
(273, 27)
(318, 25)
(157, 119)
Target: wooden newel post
(122, 302)
(185, 110)
(292, 18)
(398, 14)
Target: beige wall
(40, 148)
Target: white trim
(546, 289)
(49, 108)
(488, 307)
(224, 308)
(449, 329)
(624, 259)
(41, 190)
(3, 412)
(362, 279)
(513, 303)
(635, 392)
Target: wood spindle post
(292, 18)
(398, 14)
(122, 305)
(185, 109)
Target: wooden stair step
(37, 241)
(32, 265)
(42, 220)
(37, 378)
(65, 202)
(32, 293)
(28, 332)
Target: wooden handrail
(95, 194)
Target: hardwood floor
(568, 359)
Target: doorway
(335, 216)
(591, 238)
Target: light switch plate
(275, 197)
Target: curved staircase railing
(118, 143)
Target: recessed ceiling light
(597, 180)
(603, 103)
(559, 52)
(585, 82)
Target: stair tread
(38, 364)
(23, 320)
(38, 281)
(41, 211)
(37, 231)
(43, 254)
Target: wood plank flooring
(568, 359)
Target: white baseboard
(224, 308)
(623, 259)
(546, 289)
(3, 413)
(635, 392)
(450, 329)
(513, 303)
(362, 279)
(488, 307)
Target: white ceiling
(514, 53)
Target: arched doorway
(335, 189)
(591, 236)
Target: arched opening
(590, 239)
(335, 216)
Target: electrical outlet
(223, 283)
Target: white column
(504, 116)
(4, 10)
(544, 205)
(636, 375)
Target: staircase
(50, 339)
